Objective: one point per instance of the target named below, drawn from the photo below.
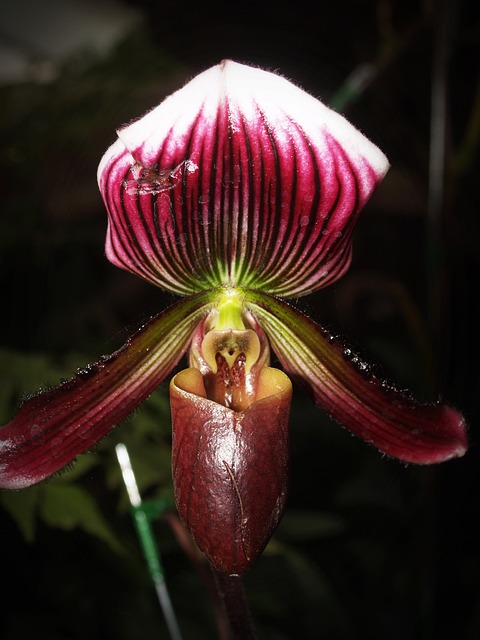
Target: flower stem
(232, 595)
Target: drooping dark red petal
(230, 469)
(53, 427)
(238, 179)
(351, 394)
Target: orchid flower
(237, 192)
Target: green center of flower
(233, 354)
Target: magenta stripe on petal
(238, 179)
(53, 427)
(352, 395)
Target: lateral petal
(53, 427)
(344, 386)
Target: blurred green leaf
(23, 373)
(22, 507)
(78, 468)
(70, 506)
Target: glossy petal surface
(230, 469)
(239, 178)
(346, 389)
(53, 427)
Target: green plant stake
(142, 514)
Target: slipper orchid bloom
(237, 192)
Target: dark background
(369, 548)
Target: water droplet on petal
(303, 221)
(190, 166)
(55, 447)
(37, 435)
